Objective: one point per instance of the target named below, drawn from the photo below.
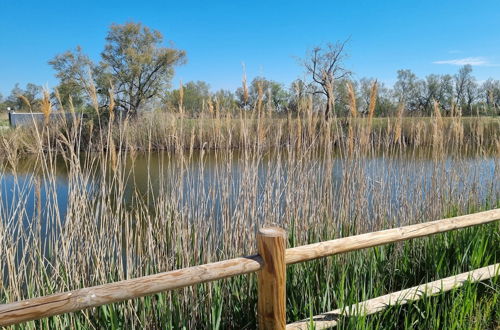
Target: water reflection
(232, 184)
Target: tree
(490, 94)
(194, 94)
(24, 99)
(273, 93)
(471, 93)
(298, 96)
(365, 87)
(408, 90)
(384, 105)
(277, 96)
(225, 99)
(32, 93)
(438, 88)
(74, 70)
(463, 85)
(325, 66)
(343, 98)
(137, 64)
(264, 92)
(13, 101)
(134, 62)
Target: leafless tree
(465, 87)
(325, 66)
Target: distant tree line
(135, 70)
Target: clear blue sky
(268, 36)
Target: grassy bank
(359, 276)
(315, 179)
(4, 120)
(157, 131)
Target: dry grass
(133, 210)
(4, 118)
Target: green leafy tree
(225, 99)
(298, 100)
(74, 70)
(439, 88)
(137, 63)
(194, 95)
(134, 62)
(408, 89)
(490, 95)
(265, 93)
(342, 98)
(32, 93)
(13, 101)
(24, 99)
(384, 106)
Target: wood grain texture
(358, 242)
(66, 302)
(331, 319)
(271, 306)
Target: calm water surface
(217, 182)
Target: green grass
(329, 283)
(341, 281)
(4, 119)
(368, 274)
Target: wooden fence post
(271, 307)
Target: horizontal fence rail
(371, 306)
(72, 301)
(36, 308)
(363, 241)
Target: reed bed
(86, 203)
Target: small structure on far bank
(17, 119)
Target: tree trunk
(329, 106)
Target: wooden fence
(270, 263)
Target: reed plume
(398, 128)
(71, 105)
(93, 95)
(353, 114)
(25, 100)
(260, 97)
(58, 98)
(46, 106)
(352, 100)
(437, 127)
(373, 101)
(244, 85)
(371, 113)
(210, 104)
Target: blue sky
(268, 36)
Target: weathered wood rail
(270, 264)
(371, 306)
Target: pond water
(269, 188)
